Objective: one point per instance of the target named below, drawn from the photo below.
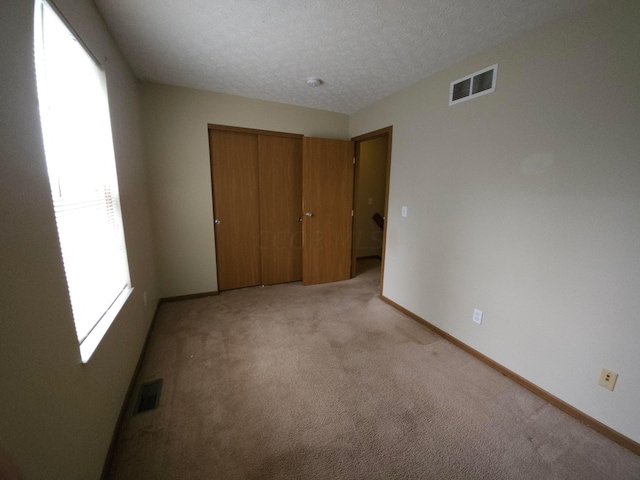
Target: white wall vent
(474, 85)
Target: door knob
(216, 221)
(309, 214)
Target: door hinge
(352, 213)
(354, 160)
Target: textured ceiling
(363, 50)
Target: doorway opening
(371, 197)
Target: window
(76, 128)
(474, 85)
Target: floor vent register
(149, 396)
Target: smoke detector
(314, 81)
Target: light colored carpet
(329, 382)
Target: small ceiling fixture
(314, 81)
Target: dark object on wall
(149, 397)
(379, 219)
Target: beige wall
(525, 203)
(56, 415)
(177, 147)
(372, 181)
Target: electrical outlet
(608, 379)
(477, 316)
(404, 211)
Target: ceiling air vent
(474, 85)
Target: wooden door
(236, 204)
(280, 160)
(327, 196)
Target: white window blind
(76, 128)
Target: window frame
(91, 332)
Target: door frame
(383, 132)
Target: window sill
(90, 344)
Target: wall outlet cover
(477, 316)
(608, 379)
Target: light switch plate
(404, 211)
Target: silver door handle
(309, 214)
(216, 221)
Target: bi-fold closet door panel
(280, 167)
(236, 202)
(257, 183)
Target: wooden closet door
(280, 160)
(236, 203)
(327, 195)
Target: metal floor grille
(149, 396)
